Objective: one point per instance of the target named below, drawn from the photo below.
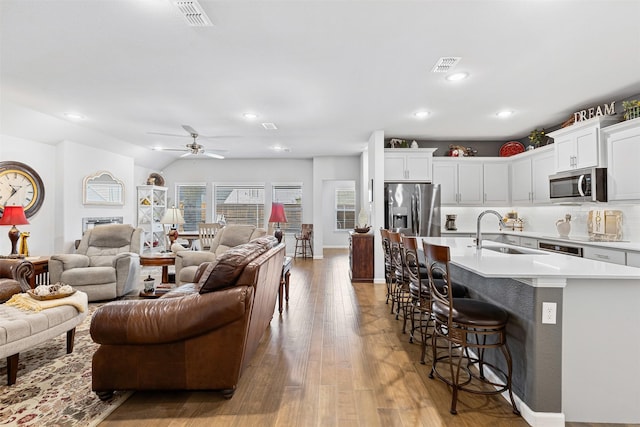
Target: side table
(159, 260)
(41, 273)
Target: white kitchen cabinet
(461, 181)
(496, 183)
(152, 202)
(530, 176)
(633, 259)
(623, 148)
(408, 164)
(511, 240)
(581, 145)
(606, 255)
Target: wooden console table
(361, 256)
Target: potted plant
(537, 138)
(631, 109)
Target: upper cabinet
(623, 150)
(460, 181)
(408, 164)
(530, 176)
(471, 181)
(581, 145)
(496, 183)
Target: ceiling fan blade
(188, 153)
(167, 134)
(189, 129)
(214, 156)
(168, 149)
(218, 136)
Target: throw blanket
(24, 301)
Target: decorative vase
(564, 226)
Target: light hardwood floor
(335, 357)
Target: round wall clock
(20, 185)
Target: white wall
(56, 226)
(41, 157)
(329, 168)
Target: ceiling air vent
(445, 64)
(269, 126)
(193, 13)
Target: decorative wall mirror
(102, 189)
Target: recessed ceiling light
(504, 114)
(457, 76)
(280, 148)
(74, 116)
(421, 114)
(250, 116)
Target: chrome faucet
(478, 233)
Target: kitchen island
(580, 368)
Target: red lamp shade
(13, 215)
(277, 213)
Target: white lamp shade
(172, 216)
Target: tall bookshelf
(152, 203)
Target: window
(240, 204)
(192, 204)
(345, 208)
(290, 195)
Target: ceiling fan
(193, 149)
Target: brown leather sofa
(199, 336)
(14, 277)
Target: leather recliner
(106, 264)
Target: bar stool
(420, 304)
(400, 293)
(465, 324)
(304, 241)
(388, 265)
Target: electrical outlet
(549, 312)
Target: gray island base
(580, 368)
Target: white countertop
(541, 264)
(581, 241)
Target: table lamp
(277, 216)
(174, 217)
(13, 215)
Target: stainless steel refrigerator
(412, 208)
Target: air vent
(446, 64)
(193, 13)
(269, 126)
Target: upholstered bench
(23, 329)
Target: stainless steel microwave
(580, 185)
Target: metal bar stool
(465, 324)
(388, 265)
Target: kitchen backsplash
(542, 219)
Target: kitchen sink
(513, 251)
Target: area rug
(54, 388)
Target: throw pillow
(229, 266)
